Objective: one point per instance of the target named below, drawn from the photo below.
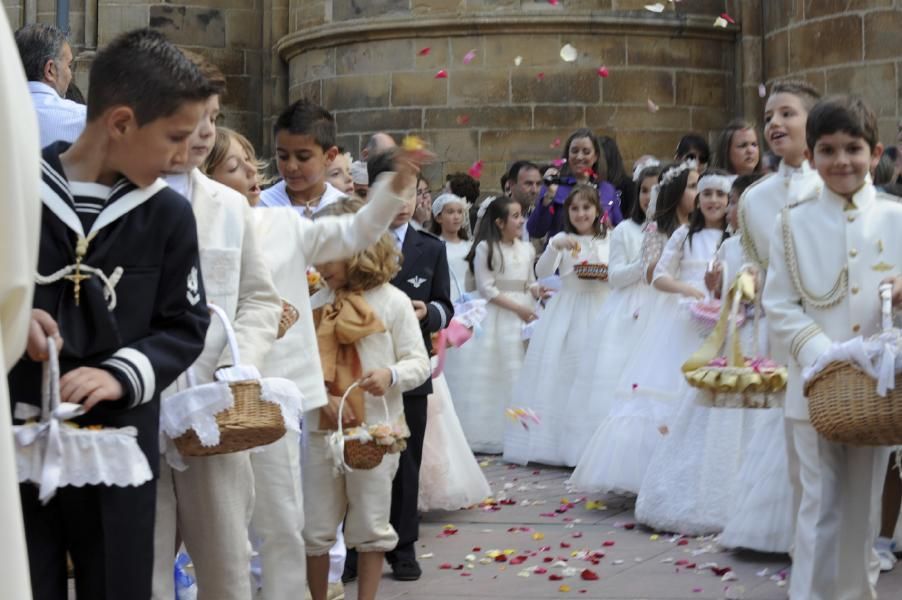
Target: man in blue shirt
(47, 58)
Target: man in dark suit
(425, 278)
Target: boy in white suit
(210, 503)
(828, 255)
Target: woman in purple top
(583, 162)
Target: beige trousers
(838, 520)
(361, 498)
(209, 505)
(278, 519)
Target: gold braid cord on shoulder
(836, 294)
(748, 241)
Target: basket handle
(50, 386)
(886, 297)
(229, 330)
(341, 405)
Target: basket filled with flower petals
(363, 447)
(587, 270)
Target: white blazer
(291, 243)
(763, 201)
(235, 276)
(829, 237)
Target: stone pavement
(539, 537)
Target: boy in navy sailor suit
(425, 278)
(131, 317)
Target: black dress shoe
(406, 570)
(350, 572)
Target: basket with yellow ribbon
(735, 380)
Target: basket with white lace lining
(851, 389)
(363, 447)
(239, 411)
(54, 453)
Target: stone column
(367, 61)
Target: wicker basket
(289, 317)
(597, 271)
(844, 405)
(357, 454)
(249, 423)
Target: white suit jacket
(829, 236)
(763, 201)
(235, 276)
(291, 243)
(20, 177)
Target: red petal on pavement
(589, 575)
(540, 570)
(446, 566)
(501, 558)
(629, 525)
(607, 543)
(565, 545)
(548, 559)
(555, 577)
(477, 549)
(518, 560)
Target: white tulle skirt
(647, 396)
(761, 514)
(611, 339)
(482, 375)
(554, 352)
(450, 477)
(693, 477)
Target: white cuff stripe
(441, 312)
(129, 372)
(143, 372)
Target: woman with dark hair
(617, 175)
(738, 150)
(582, 161)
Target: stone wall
(364, 60)
(234, 34)
(367, 62)
(840, 46)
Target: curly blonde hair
(373, 266)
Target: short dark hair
(514, 172)
(308, 118)
(208, 70)
(380, 163)
(803, 90)
(848, 114)
(38, 43)
(463, 185)
(742, 183)
(142, 70)
(694, 142)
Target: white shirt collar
(787, 171)
(401, 233)
(180, 182)
(277, 195)
(39, 87)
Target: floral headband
(675, 171)
(439, 204)
(723, 183)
